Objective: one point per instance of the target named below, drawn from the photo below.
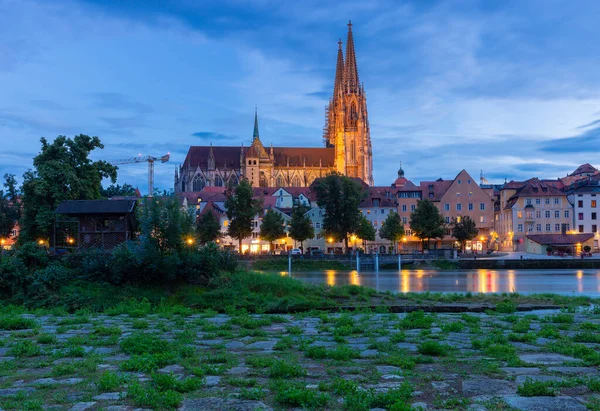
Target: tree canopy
(426, 222)
(392, 229)
(62, 171)
(164, 226)
(272, 227)
(242, 208)
(340, 197)
(365, 231)
(301, 228)
(464, 229)
(115, 190)
(9, 206)
(208, 228)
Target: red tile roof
(300, 156)
(438, 188)
(586, 168)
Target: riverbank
(172, 358)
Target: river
(566, 282)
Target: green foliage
(164, 225)
(365, 230)
(392, 228)
(340, 197)
(62, 171)
(506, 307)
(272, 227)
(208, 228)
(14, 322)
(116, 190)
(296, 395)
(464, 229)
(242, 208)
(416, 319)
(301, 228)
(110, 381)
(144, 343)
(531, 388)
(25, 348)
(433, 348)
(150, 396)
(286, 369)
(10, 210)
(426, 222)
(560, 318)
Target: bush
(433, 348)
(203, 266)
(532, 388)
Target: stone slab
(81, 406)
(544, 403)
(546, 358)
(213, 403)
(487, 386)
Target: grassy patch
(416, 320)
(142, 343)
(286, 369)
(532, 388)
(14, 322)
(433, 348)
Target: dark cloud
(324, 95)
(212, 136)
(593, 123)
(125, 122)
(586, 142)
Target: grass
(295, 395)
(532, 388)
(14, 322)
(142, 343)
(416, 320)
(433, 348)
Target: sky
(510, 87)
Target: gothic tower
(347, 122)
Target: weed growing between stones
(531, 388)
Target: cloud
(586, 142)
(212, 136)
(118, 101)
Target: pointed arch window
(280, 182)
(218, 181)
(263, 179)
(296, 181)
(198, 184)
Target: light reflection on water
(585, 282)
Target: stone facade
(347, 148)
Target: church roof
(225, 157)
(300, 156)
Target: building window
(198, 184)
(538, 227)
(547, 201)
(580, 216)
(557, 200)
(528, 201)
(548, 227)
(594, 216)
(218, 181)
(593, 203)
(375, 223)
(547, 213)
(538, 200)
(519, 214)
(470, 206)
(556, 227)
(482, 206)
(482, 219)
(468, 181)
(413, 207)
(530, 228)
(403, 207)
(368, 211)
(446, 207)
(581, 229)
(470, 193)
(566, 213)
(529, 215)
(557, 214)
(520, 228)
(225, 223)
(376, 202)
(538, 214)
(458, 219)
(594, 228)
(382, 211)
(404, 220)
(409, 232)
(580, 203)
(447, 220)
(458, 207)
(459, 181)
(318, 226)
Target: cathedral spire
(351, 71)
(339, 72)
(255, 135)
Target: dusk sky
(509, 87)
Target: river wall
(528, 263)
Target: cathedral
(346, 138)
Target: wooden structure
(94, 224)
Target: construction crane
(145, 159)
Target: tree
(116, 190)
(208, 228)
(242, 208)
(9, 206)
(272, 227)
(426, 222)
(340, 197)
(62, 171)
(365, 231)
(164, 225)
(301, 228)
(464, 229)
(392, 229)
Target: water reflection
(585, 282)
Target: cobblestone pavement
(137, 360)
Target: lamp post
(330, 241)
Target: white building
(586, 208)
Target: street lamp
(41, 242)
(189, 241)
(330, 241)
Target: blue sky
(510, 87)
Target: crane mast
(145, 159)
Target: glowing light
(353, 238)
(404, 239)
(482, 238)
(330, 240)
(41, 242)
(2, 241)
(189, 241)
(70, 240)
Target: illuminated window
(458, 219)
(593, 203)
(538, 214)
(482, 219)
(519, 214)
(225, 223)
